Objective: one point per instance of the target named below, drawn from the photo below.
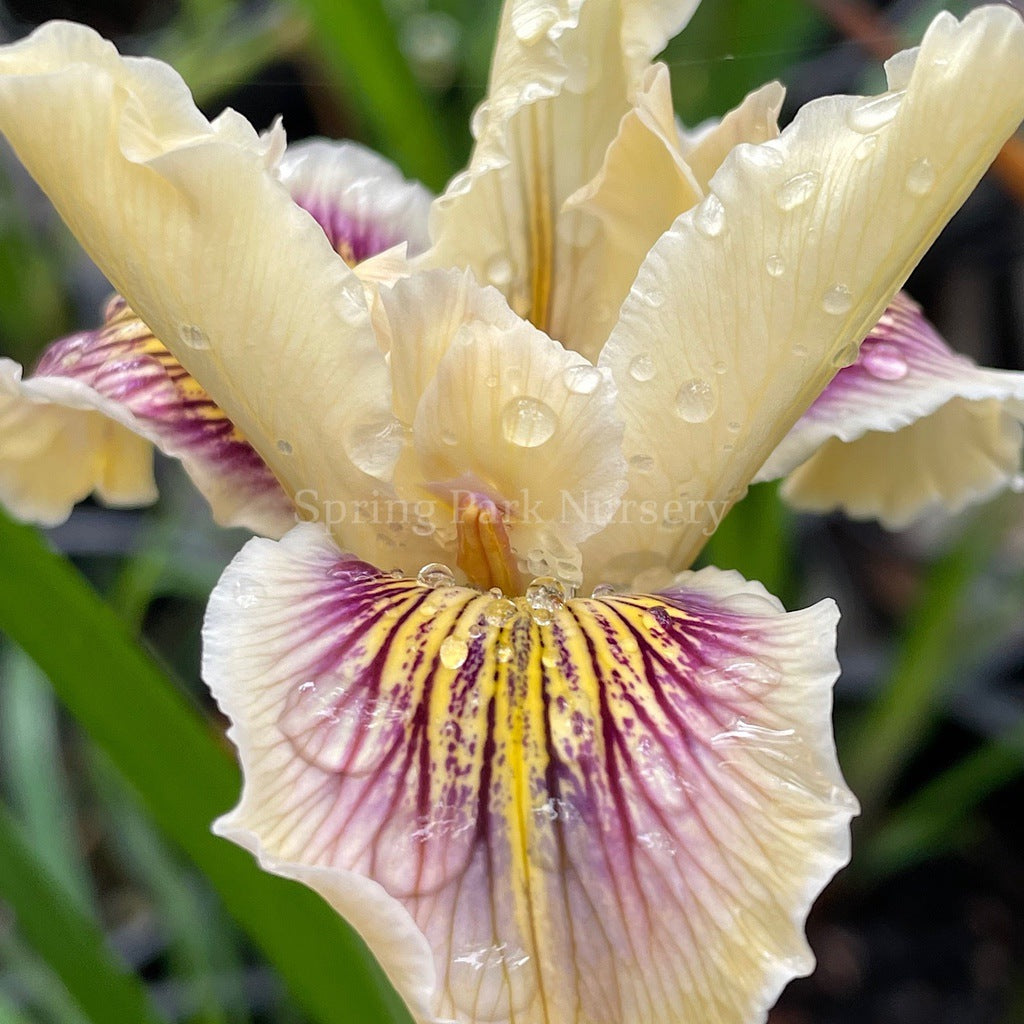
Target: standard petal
(642, 187)
(360, 199)
(746, 308)
(80, 425)
(563, 76)
(422, 314)
(514, 418)
(189, 222)
(754, 121)
(607, 811)
(911, 425)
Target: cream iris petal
(422, 314)
(908, 427)
(83, 422)
(514, 417)
(563, 75)
(743, 311)
(643, 185)
(538, 811)
(70, 434)
(754, 121)
(187, 220)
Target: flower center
(484, 549)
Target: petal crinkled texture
(604, 811)
(82, 421)
(189, 222)
(747, 306)
(360, 199)
(910, 426)
(754, 121)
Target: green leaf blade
(183, 775)
(70, 942)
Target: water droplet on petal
(641, 367)
(504, 654)
(454, 652)
(476, 972)
(709, 217)
(436, 574)
(284, 447)
(837, 300)
(499, 611)
(866, 147)
(603, 590)
(545, 595)
(763, 155)
(884, 361)
(582, 380)
(875, 113)
(800, 351)
(695, 401)
(921, 177)
(799, 189)
(545, 589)
(658, 842)
(345, 573)
(247, 591)
(549, 810)
(528, 422)
(654, 298)
(194, 337)
(447, 437)
(492, 381)
(720, 367)
(375, 446)
(775, 265)
(499, 271)
(846, 355)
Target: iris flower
(536, 807)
